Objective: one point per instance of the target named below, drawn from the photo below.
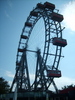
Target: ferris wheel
(40, 48)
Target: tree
(68, 86)
(4, 86)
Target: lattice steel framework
(52, 29)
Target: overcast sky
(13, 14)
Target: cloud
(64, 81)
(9, 3)
(9, 74)
(8, 16)
(32, 77)
(10, 82)
(60, 82)
(9, 7)
(69, 15)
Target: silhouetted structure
(45, 74)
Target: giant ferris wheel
(39, 48)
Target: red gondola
(57, 17)
(17, 63)
(39, 5)
(54, 73)
(28, 24)
(20, 50)
(33, 13)
(49, 5)
(59, 42)
(24, 37)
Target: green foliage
(68, 86)
(4, 86)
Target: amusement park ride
(44, 74)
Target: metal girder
(39, 82)
(52, 29)
(22, 75)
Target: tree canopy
(4, 86)
(68, 86)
